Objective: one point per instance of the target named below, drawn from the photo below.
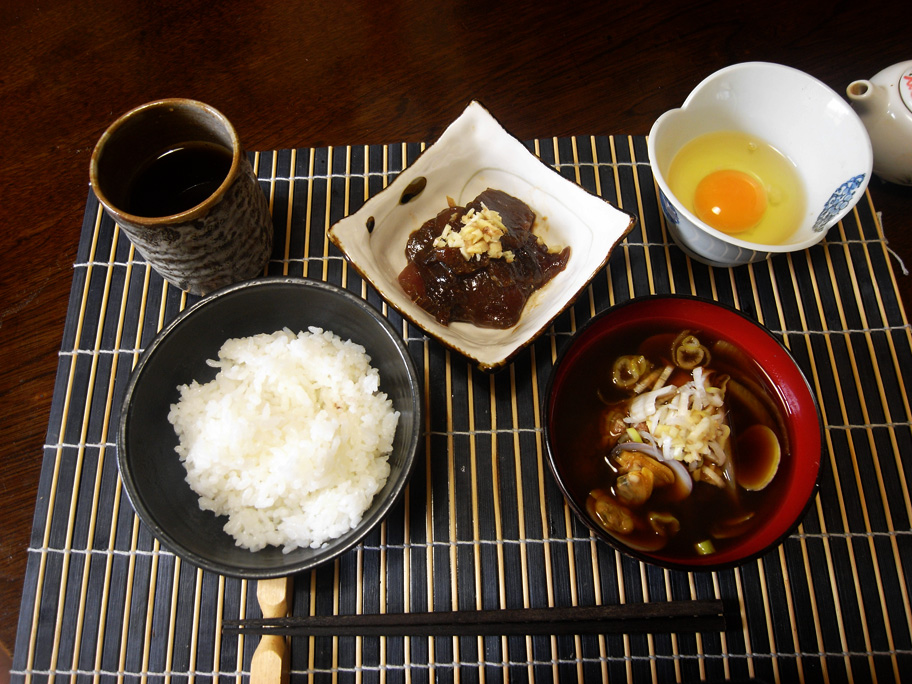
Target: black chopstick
(629, 618)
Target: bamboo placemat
(482, 524)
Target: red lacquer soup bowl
(732, 504)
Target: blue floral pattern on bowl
(838, 201)
(668, 208)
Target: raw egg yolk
(731, 201)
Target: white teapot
(884, 104)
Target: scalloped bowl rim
(694, 101)
(475, 152)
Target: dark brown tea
(178, 179)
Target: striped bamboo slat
(482, 526)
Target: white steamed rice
(290, 440)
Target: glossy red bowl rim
(792, 389)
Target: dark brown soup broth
(585, 465)
(178, 179)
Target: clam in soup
(676, 441)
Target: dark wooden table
(343, 72)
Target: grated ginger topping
(480, 235)
(688, 422)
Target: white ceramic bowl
(474, 153)
(803, 118)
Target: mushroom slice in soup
(629, 456)
(733, 526)
(760, 453)
(612, 425)
(664, 524)
(635, 487)
(628, 460)
(619, 521)
(609, 513)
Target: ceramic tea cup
(172, 174)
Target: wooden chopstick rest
(270, 660)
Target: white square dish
(475, 153)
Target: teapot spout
(859, 90)
(867, 98)
(884, 105)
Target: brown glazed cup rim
(190, 214)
